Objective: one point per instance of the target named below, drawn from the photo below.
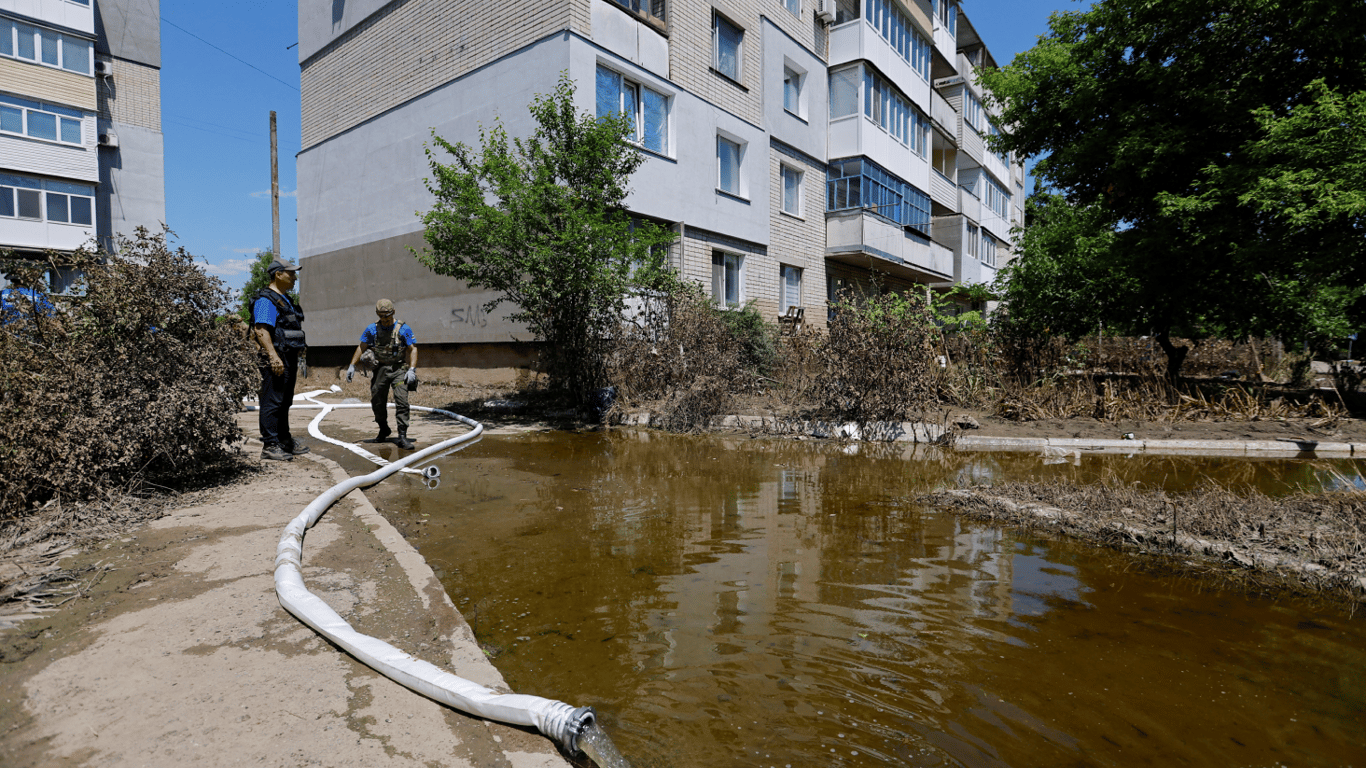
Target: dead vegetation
(1312, 543)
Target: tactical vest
(389, 349)
(288, 335)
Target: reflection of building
(796, 147)
(80, 122)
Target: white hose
(555, 719)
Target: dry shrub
(136, 377)
(878, 360)
(682, 353)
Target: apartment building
(797, 147)
(80, 123)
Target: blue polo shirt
(11, 300)
(405, 335)
(264, 312)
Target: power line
(225, 53)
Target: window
(728, 165)
(844, 92)
(1004, 157)
(988, 250)
(970, 180)
(861, 183)
(974, 241)
(791, 288)
(998, 199)
(947, 13)
(894, 113)
(727, 42)
(40, 121)
(972, 111)
(945, 156)
(648, 8)
(792, 190)
(792, 90)
(726, 273)
(647, 110)
(793, 6)
(57, 201)
(45, 46)
(894, 27)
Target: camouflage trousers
(389, 377)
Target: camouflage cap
(384, 307)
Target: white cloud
(245, 250)
(231, 268)
(283, 193)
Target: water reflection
(738, 602)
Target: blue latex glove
(350, 372)
(410, 376)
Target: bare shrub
(684, 353)
(135, 377)
(877, 359)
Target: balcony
(943, 115)
(943, 191)
(864, 239)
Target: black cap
(279, 264)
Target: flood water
(727, 602)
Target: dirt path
(179, 654)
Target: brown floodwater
(726, 601)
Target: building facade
(80, 123)
(797, 147)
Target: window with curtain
(726, 273)
(727, 47)
(844, 84)
(728, 165)
(45, 46)
(791, 288)
(792, 190)
(792, 90)
(647, 110)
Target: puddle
(725, 601)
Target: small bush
(136, 376)
(878, 359)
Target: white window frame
(730, 264)
(45, 192)
(741, 189)
(12, 30)
(716, 42)
(786, 298)
(794, 86)
(989, 246)
(61, 117)
(793, 7)
(799, 195)
(631, 98)
(974, 245)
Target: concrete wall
(129, 30)
(132, 189)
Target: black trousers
(277, 393)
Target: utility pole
(274, 191)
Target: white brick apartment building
(795, 146)
(80, 122)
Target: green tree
(1210, 185)
(256, 282)
(541, 220)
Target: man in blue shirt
(396, 350)
(19, 302)
(277, 325)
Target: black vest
(288, 335)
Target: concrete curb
(1253, 448)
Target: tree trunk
(1175, 355)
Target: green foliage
(1211, 151)
(134, 377)
(541, 221)
(257, 282)
(756, 337)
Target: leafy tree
(541, 220)
(1202, 169)
(258, 280)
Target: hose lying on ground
(555, 719)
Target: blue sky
(227, 64)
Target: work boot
(295, 448)
(275, 453)
(382, 437)
(402, 440)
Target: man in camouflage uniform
(395, 348)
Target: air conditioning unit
(825, 10)
(110, 140)
(104, 69)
